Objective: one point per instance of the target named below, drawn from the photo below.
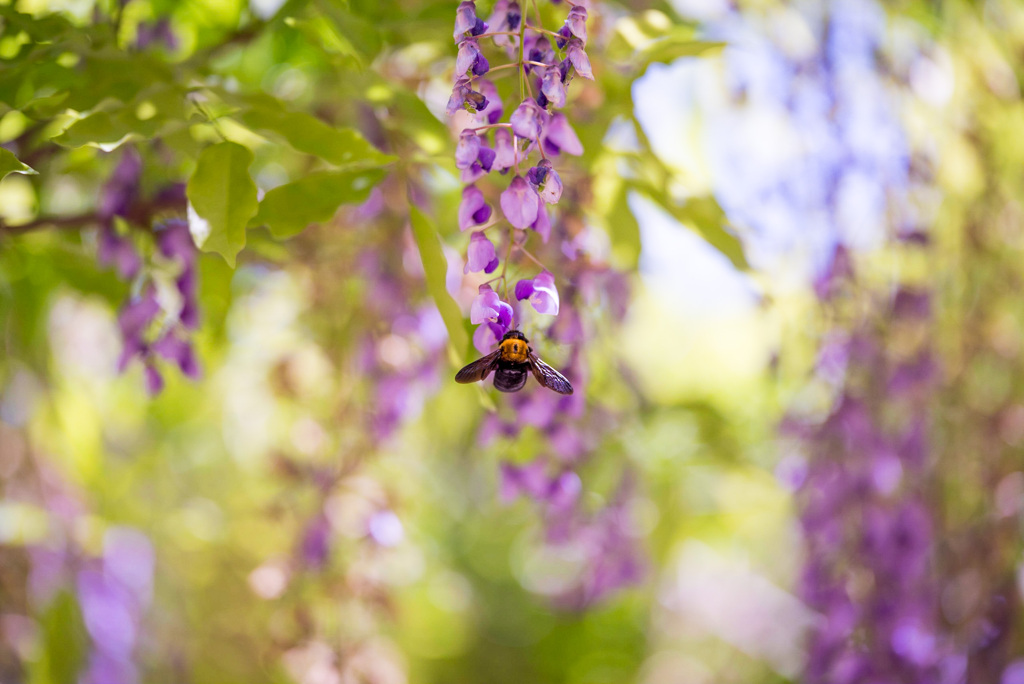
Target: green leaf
(154, 112)
(289, 208)
(677, 43)
(306, 133)
(624, 230)
(11, 164)
(435, 266)
(222, 192)
(63, 643)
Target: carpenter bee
(510, 364)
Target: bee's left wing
(479, 369)
(548, 376)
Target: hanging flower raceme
(535, 127)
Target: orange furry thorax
(513, 350)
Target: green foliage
(63, 643)
(289, 208)
(436, 268)
(224, 195)
(10, 164)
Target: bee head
(515, 335)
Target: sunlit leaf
(436, 268)
(222, 192)
(11, 164)
(289, 208)
(306, 133)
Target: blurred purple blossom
(560, 137)
(119, 252)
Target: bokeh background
(790, 264)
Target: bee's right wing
(548, 376)
(479, 369)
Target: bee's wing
(479, 369)
(548, 376)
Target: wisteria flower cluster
(546, 63)
(144, 312)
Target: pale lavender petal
(505, 153)
(519, 203)
(560, 137)
(546, 181)
(542, 225)
(480, 253)
(552, 87)
(465, 19)
(473, 210)
(467, 150)
(494, 109)
(487, 336)
(545, 295)
(527, 120)
(577, 22)
(386, 528)
(579, 59)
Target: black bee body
(511, 363)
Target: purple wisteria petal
(564, 34)
(505, 17)
(519, 203)
(545, 180)
(385, 528)
(470, 59)
(154, 381)
(486, 158)
(187, 286)
(579, 58)
(542, 225)
(494, 109)
(175, 240)
(119, 252)
(541, 292)
(473, 210)
(480, 254)
(538, 49)
(467, 150)
(175, 349)
(486, 337)
(528, 119)
(465, 20)
(552, 88)
(529, 480)
(576, 22)
(505, 153)
(464, 97)
(487, 306)
(122, 187)
(563, 491)
(560, 137)
(524, 289)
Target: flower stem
(535, 260)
